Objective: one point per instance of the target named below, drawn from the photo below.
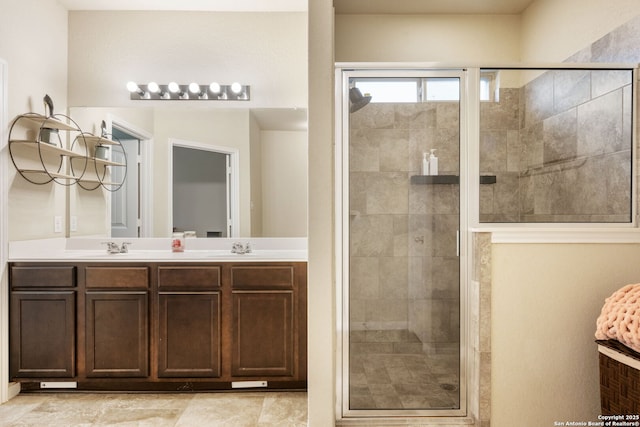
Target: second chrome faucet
(114, 248)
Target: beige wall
(553, 30)
(321, 310)
(108, 49)
(284, 183)
(255, 206)
(545, 301)
(37, 65)
(458, 39)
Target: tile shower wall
(560, 148)
(403, 264)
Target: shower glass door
(401, 255)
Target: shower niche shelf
(447, 179)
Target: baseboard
(13, 390)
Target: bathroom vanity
(157, 322)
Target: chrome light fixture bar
(189, 92)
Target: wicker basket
(619, 378)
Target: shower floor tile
(399, 375)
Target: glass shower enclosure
(401, 321)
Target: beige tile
(223, 409)
(284, 409)
(394, 150)
(600, 124)
(364, 154)
(20, 406)
(570, 88)
(394, 277)
(125, 417)
(388, 193)
(119, 401)
(364, 277)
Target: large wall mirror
(267, 134)
(174, 176)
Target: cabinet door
(117, 342)
(43, 334)
(189, 335)
(263, 333)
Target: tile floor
(250, 409)
(389, 370)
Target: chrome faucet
(113, 248)
(241, 248)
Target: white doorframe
(234, 200)
(146, 172)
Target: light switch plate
(57, 224)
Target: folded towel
(620, 317)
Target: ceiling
(489, 7)
(342, 6)
(199, 5)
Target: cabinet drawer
(45, 276)
(261, 277)
(117, 277)
(183, 278)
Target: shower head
(357, 99)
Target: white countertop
(158, 249)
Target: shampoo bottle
(425, 164)
(433, 163)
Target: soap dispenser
(425, 164)
(433, 163)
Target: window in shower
(402, 327)
(409, 90)
(389, 90)
(559, 143)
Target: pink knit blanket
(620, 317)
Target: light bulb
(236, 87)
(214, 87)
(194, 88)
(153, 87)
(173, 87)
(132, 87)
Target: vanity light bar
(189, 92)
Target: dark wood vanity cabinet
(116, 323)
(264, 318)
(42, 321)
(159, 326)
(189, 321)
